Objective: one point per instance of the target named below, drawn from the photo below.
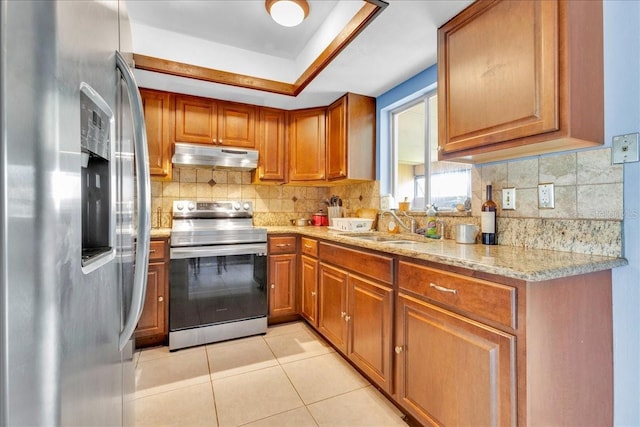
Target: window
(414, 140)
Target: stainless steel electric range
(217, 274)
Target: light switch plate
(624, 148)
(546, 198)
(508, 199)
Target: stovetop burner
(197, 223)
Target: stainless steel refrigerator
(74, 197)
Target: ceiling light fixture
(287, 13)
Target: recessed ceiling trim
(361, 19)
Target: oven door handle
(220, 250)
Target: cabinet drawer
(375, 266)
(489, 300)
(282, 244)
(157, 250)
(309, 247)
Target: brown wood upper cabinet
(271, 145)
(520, 78)
(208, 121)
(307, 145)
(157, 118)
(351, 138)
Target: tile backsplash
(588, 200)
(273, 204)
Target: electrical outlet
(508, 198)
(546, 198)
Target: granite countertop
(159, 233)
(508, 261)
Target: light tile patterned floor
(289, 377)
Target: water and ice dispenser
(97, 161)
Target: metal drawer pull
(283, 245)
(152, 251)
(342, 314)
(160, 299)
(347, 318)
(398, 349)
(443, 289)
(308, 246)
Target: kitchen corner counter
(532, 265)
(160, 233)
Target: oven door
(217, 284)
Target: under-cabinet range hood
(229, 158)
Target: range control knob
(179, 206)
(191, 206)
(236, 206)
(246, 206)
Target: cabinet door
(452, 370)
(332, 308)
(196, 120)
(152, 320)
(236, 124)
(307, 145)
(370, 328)
(271, 144)
(156, 116)
(515, 79)
(282, 276)
(337, 139)
(498, 80)
(309, 289)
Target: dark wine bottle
(488, 220)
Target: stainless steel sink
(382, 239)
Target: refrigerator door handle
(143, 189)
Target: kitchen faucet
(412, 226)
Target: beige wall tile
(234, 177)
(203, 175)
(594, 167)
(262, 205)
(276, 192)
(219, 192)
(170, 189)
(559, 170)
(220, 177)
(600, 201)
(203, 191)
(522, 174)
(187, 175)
(496, 175)
(275, 205)
(248, 191)
(188, 190)
(234, 191)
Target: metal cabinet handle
(398, 349)
(342, 314)
(160, 299)
(347, 318)
(273, 286)
(313, 293)
(443, 289)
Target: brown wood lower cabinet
(471, 348)
(355, 312)
(282, 277)
(153, 326)
(309, 289)
(332, 307)
(370, 329)
(453, 371)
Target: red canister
(319, 218)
